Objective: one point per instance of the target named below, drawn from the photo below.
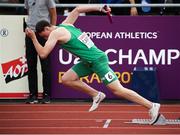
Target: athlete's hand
(30, 33)
(105, 9)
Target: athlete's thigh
(102, 69)
(115, 85)
(82, 69)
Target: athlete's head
(43, 28)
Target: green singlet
(93, 60)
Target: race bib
(109, 76)
(86, 40)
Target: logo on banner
(15, 69)
(4, 32)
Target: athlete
(93, 60)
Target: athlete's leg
(71, 79)
(120, 91)
(110, 79)
(131, 95)
(107, 75)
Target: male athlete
(93, 60)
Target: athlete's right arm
(73, 15)
(53, 38)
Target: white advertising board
(13, 66)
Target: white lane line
(88, 134)
(85, 112)
(95, 127)
(106, 124)
(82, 105)
(97, 120)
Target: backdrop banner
(129, 42)
(13, 63)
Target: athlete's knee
(118, 90)
(67, 80)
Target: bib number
(109, 76)
(86, 40)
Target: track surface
(69, 118)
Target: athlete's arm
(73, 15)
(43, 52)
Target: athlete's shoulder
(67, 24)
(59, 31)
(61, 34)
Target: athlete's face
(45, 33)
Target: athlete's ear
(46, 28)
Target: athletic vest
(81, 45)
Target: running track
(74, 119)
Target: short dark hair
(41, 25)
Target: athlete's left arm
(43, 52)
(73, 15)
